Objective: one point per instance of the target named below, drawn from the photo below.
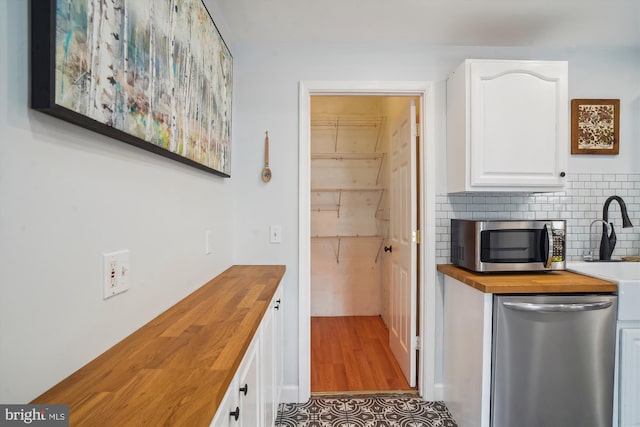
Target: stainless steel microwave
(487, 246)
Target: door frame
(426, 221)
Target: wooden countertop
(174, 370)
(551, 282)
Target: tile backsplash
(579, 205)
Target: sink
(625, 274)
(616, 271)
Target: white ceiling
(547, 23)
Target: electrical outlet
(275, 234)
(116, 274)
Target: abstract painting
(153, 73)
(594, 126)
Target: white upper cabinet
(507, 126)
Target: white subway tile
(580, 204)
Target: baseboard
(438, 391)
(289, 394)
(362, 393)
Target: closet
(349, 205)
(350, 138)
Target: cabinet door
(278, 351)
(248, 388)
(267, 371)
(271, 356)
(629, 377)
(229, 404)
(519, 135)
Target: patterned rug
(365, 411)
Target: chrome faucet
(608, 240)
(589, 256)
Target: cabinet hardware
(388, 248)
(245, 389)
(235, 414)
(563, 174)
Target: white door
(403, 289)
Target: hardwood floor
(352, 354)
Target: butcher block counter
(551, 282)
(174, 370)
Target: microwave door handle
(547, 247)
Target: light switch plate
(275, 234)
(116, 273)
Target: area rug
(400, 410)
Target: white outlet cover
(116, 273)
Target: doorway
(363, 153)
(426, 222)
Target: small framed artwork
(595, 125)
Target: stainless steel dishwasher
(553, 360)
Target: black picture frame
(43, 94)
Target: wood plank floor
(352, 354)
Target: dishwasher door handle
(557, 307)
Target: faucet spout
(590, 255)
(626, 222)
(608, 241)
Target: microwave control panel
(558, 246)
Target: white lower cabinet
(248, 388)
(629, 375)
(271, 360)
(253, 396)
(267, 371)
(278, 350)
(227, 407)
(467, 353)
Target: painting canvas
(153, 73)
(594, 126)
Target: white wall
(66, 196)
(266, 97)
(609, 74)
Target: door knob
(388, 248)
